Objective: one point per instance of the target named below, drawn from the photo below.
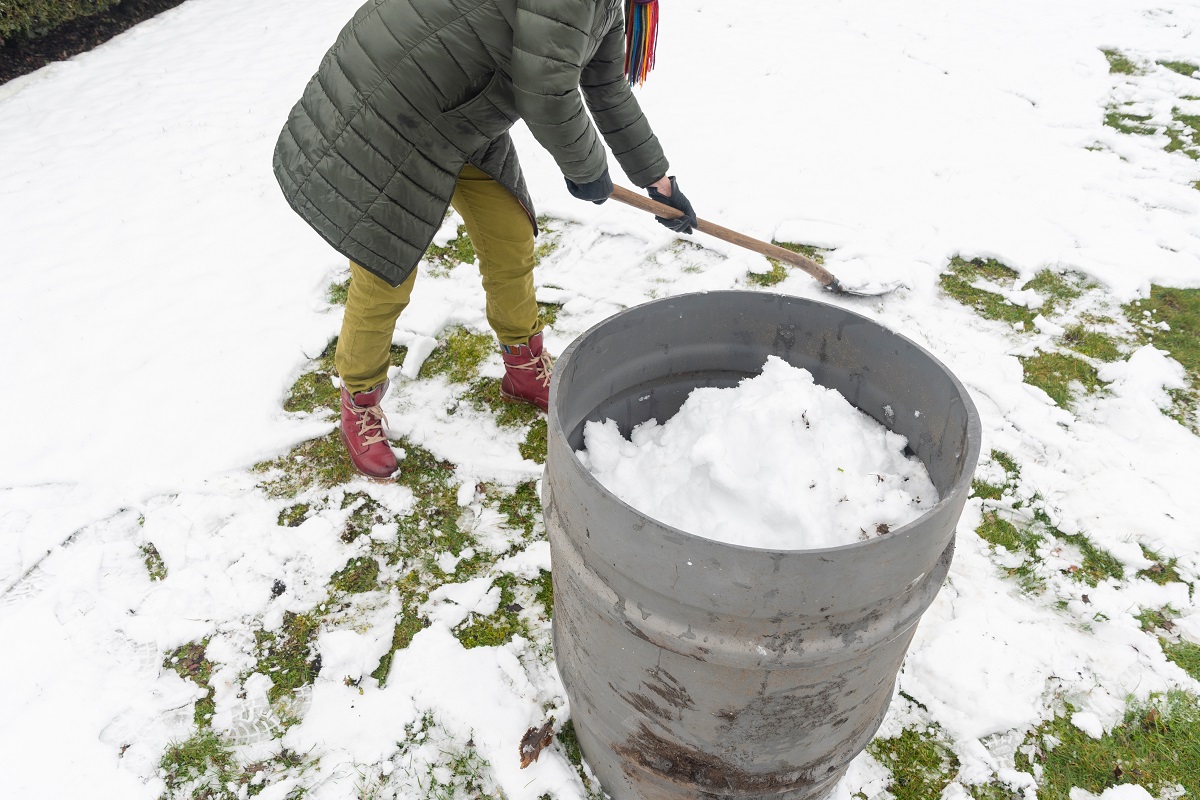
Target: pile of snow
(777, 462)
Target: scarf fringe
(641, 39)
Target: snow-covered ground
(158, 300)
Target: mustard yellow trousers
(499, 228)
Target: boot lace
(542, 366)
(371, 420)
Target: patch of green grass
(1186, 655)
(1012, 473)
(523, 508)
(1153, 619)
(314, 391)
(396, 355)
(922, 765)
(1002, 533)
(1057, 373)
(1157, 746)
(777, 274)
(361, 574)
(484, 395)
(1058, 288)
(1090, 343)
(155, 566)
(286, 656)
(545, 592)
(1119, 64)
(960, 274)
(458, 250)
(1098, 564)
(1163, 570)
(317, 463)
(434, 524)
(1025, 540)
(410, 625)
(779, 270)
(202, 766)
(548, 312)
(1128, 123)
(498, 628)
(534, 446)
(191, 663)
(570, 744)
(338, 292)
(1180, 310)
(292, 516)
(1184, 68)
(365, 515)
(1182, 134)
(459, 356)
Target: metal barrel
(699, 669)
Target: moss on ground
(1157, 745)
(1060, 375)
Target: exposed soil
(22, 56)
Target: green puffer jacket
(414, 89)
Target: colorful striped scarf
(641, 36)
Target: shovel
(823, 276)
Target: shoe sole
(512, 398)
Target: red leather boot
(526, 373)
(362, 431)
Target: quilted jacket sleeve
(617, 113)
(550, 40)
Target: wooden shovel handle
(826, 278)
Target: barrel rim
(958, 489)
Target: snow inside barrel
(700, 668)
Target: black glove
(678, 201)
(597, 191)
